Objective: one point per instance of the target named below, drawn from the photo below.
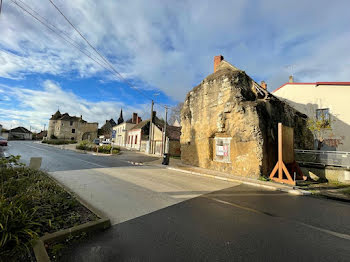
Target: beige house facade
(121, 130)
(138, 138)
(328, 101)
(134, 139)
(66, 127)
(121, 133)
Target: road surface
(162, 215)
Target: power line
(55, 27)
(58, 32)
(74, 45)
(103, 58)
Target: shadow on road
(225, 229)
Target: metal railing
(323, 158)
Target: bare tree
(175, 113)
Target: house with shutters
(138, 137)
(121, 130)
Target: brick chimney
(263, 85)
(139, 119)
(134, 118)
(291, 79)
(154, 115)
(217, 61)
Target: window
(222, 149)
(132, 138)
(135, 139)
(73, 131)
(322, 115)
(71, 123)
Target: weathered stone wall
(226, 104)
(62, 129)
(86, 131)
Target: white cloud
(171, 46)
(35, 107)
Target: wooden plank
(274, 170)
(288, 144)
(280, 152)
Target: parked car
(96, 141)
(106, 142)
(3, 141)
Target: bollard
(35, 162)
(165, 159)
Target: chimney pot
(217, 61)
(154, 115)
(291, 80)
(134, 118)
(263, 85)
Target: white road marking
(90, 162)
(330, 232)
(37, 148)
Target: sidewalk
(331, 190)
(177, 165)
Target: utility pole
(150, 130)
(0, 5)
(165, 124)
(44, 126)
(165, 155)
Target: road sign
(113, 133)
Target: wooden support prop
(286, 162)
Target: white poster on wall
(219, 150)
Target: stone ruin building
(229, 124)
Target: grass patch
(59, 142)
(263, 178)
(32, 204)
(105, 149)
(346, 191)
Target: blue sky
(163, 48)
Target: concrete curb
(39, 245)
(100, 224)
(266, 185)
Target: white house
(121, 130)
(322, 100)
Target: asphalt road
(239, 223)
(162, 215)
(56, 159)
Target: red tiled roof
(315, 83)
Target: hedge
(59, 142)
(31, 204)
(105, 149)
